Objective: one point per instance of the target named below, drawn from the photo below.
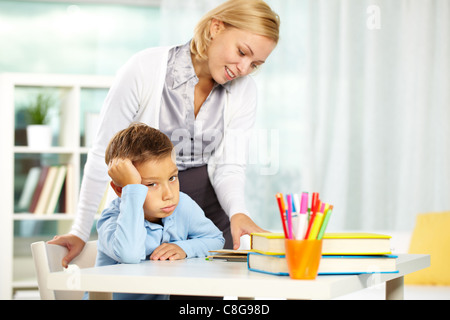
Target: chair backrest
(47, 258)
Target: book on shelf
(29, 188)
(103, 203)
(56, 190)
(50, 189)
(353, 243)
(46, 190)
(38, 189)
(343, 264)
(68, 201)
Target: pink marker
(303, 218)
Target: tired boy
(151, 218)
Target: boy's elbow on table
(129, 260)
(124, 255)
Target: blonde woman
(201, 96)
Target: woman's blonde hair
(250, 15)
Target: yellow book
(354, 243)
(267, 243)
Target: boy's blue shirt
(124, 236)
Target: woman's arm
(120, 106)
(230, 160)
(118, 111)
(229, 175)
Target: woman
(200, 95)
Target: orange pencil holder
(303, 258)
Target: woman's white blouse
(194, 138)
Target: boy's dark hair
(139, 142)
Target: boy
(150, 218)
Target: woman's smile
(229, 74)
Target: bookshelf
(76, 97)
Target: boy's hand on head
(168, 251)
(123, 172)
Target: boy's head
(139, 142)
(149, 151)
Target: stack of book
(47, 190)
(342, 253)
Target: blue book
(277, 265)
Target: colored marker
(312, 218)
(304, 203)
(289, 215)
(317, 224)
(325, 223)
(295, 215)
(302, 216)
(282, 211)
(315, 197)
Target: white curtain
(179, 17)
(354, 103)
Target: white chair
(47, 258)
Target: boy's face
(161, 178)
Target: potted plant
(39, 132)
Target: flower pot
(39, 136)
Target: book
(104, 200)
(69, 191)
(38, 190)
(56, 189)
(229, 255)
(29, 188)
(267, 243)
(355, 243)
(343, 264)
(46, 190)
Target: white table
(222, 278)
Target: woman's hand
(241, 224)
(71, 242)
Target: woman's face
(235, 53)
